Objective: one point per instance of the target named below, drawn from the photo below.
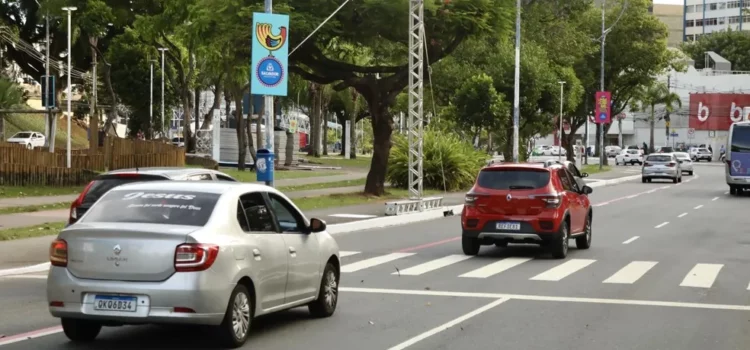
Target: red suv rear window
(512, 179)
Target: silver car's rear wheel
(235, 328)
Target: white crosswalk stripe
(631, 272)
(495, 268)
(702, 276)
(344, 254)
(563, 270)
(360, 265)
(432, 265)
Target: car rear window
(154, 207)
(703, 150)
(633, 151)
(512, 179)
(104, 184)
(659, 159)
(682, 156)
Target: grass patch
(361, 162)
(594, 168)
(35, 122)
(35, 191)
(47, 229)
(249, 176)
(319, 186)
(342, 200)
(33, 208)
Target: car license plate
(115, 303)
(510, 226)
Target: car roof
(216, 187)
(164, 171)
(540, 165)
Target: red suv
(527, 203)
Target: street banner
(270, 51)
(603, 112)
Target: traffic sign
(48, 95)
(691, 131)
(674, 134)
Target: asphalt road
(668, 269)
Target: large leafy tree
(646, 100)
(730, 44)
(381, 26)
(478, 106)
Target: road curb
(24, 270)
(611, 182)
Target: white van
(737, 168)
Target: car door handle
(292, 252)
(256, 254)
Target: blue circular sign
(603, 116)
(269, 71)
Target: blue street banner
(270, 51)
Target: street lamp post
(163, 117)
(559, 153)
(517, 84)
(151, 103)
(70, 89)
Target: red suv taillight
(552, 200)
(191, 257)
(73, 216)
(58, 253)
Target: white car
(629, 156)
(698, 154)
(685, 162)
(30, 139)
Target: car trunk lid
(512, 191)
(132, 252)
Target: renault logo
(117, 249)
(508, 197)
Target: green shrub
(460, 162)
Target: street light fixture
(163, 118)
(559, 153)
(70, 89)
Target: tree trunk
(325, 133)
(353, 136)
(382, 128)
(241, 144)
(344, 132)
(197, 109)
(94, 116)
(651, 125)
(208, 118)
(253, 150)
(186, 110)
(289, 151)
(227, 105)
(314, 113)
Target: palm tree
(652, 95)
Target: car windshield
(659, 159)
(22, 135)
(512, 179)
(153, 207)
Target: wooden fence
(41, 167)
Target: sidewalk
(29, 201)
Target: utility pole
(415, 122)
(151, 103)
(559, 153)
(163, 117)
(601, 125)
(49, 124)
(70, 89)
(517, 85)
(269, 110)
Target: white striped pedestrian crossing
(495, 268)
(702, 276)
(360, 265)
(631, 272)
(344, 254)
(563, 270)
(432, 265)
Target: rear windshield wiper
(521, 187)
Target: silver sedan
(204, 253)
(686, 164)
(661, 166)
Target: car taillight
(671, 164)
(645, 164)
(552, 200)
(470, 199)
(58, 253)
(73, 217)
(191, 257)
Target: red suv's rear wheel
(470, 245)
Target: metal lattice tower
(415, 124)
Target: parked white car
(629, 156)
(30, 139)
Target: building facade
(707, 16)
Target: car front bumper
(203, 292)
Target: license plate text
(511, 226)
(115, 303)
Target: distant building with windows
(706, 16)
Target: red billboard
(715, 111)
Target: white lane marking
(30, 335)
(665, 187)
(665, 223)
(353, 216)
(727, 192)
(652, 191)
(679, 184)
(601, 204)
(28, 269)
(495, 268)
(41, 277)
(702, 276)
(433, 265)
(631, 197)
(682, 215)
(698, 207)
(360, 265)
(447, 325)
(563, 270)
(528, 297)
(715, 198)
(631, 240)
(631, 272)
(344, 254)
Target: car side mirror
(587, 190)
(584, 174)
(317, 225)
